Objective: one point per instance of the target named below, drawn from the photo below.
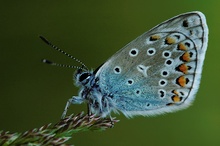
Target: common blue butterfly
(158, 72)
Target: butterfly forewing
(160, 70)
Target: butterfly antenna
(61, 51)
(60, 65)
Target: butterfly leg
(89, 111)
(112, 122)
(73, 100)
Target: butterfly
(158, 72)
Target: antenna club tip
(44, 39)
(47, 61)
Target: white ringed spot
(163, 82)
(133, 52)
(117, 70)
(166, 54)
(151, 51)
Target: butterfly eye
(84, 78)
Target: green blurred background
(33, 94)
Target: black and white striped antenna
(84, 67)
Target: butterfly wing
(159, 71)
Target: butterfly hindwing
(160, 70)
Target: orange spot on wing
(182, 47)
(154, 37)
(186, 57)
(170, 40)
(181, 81)
(183, 68)
(176, 98)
